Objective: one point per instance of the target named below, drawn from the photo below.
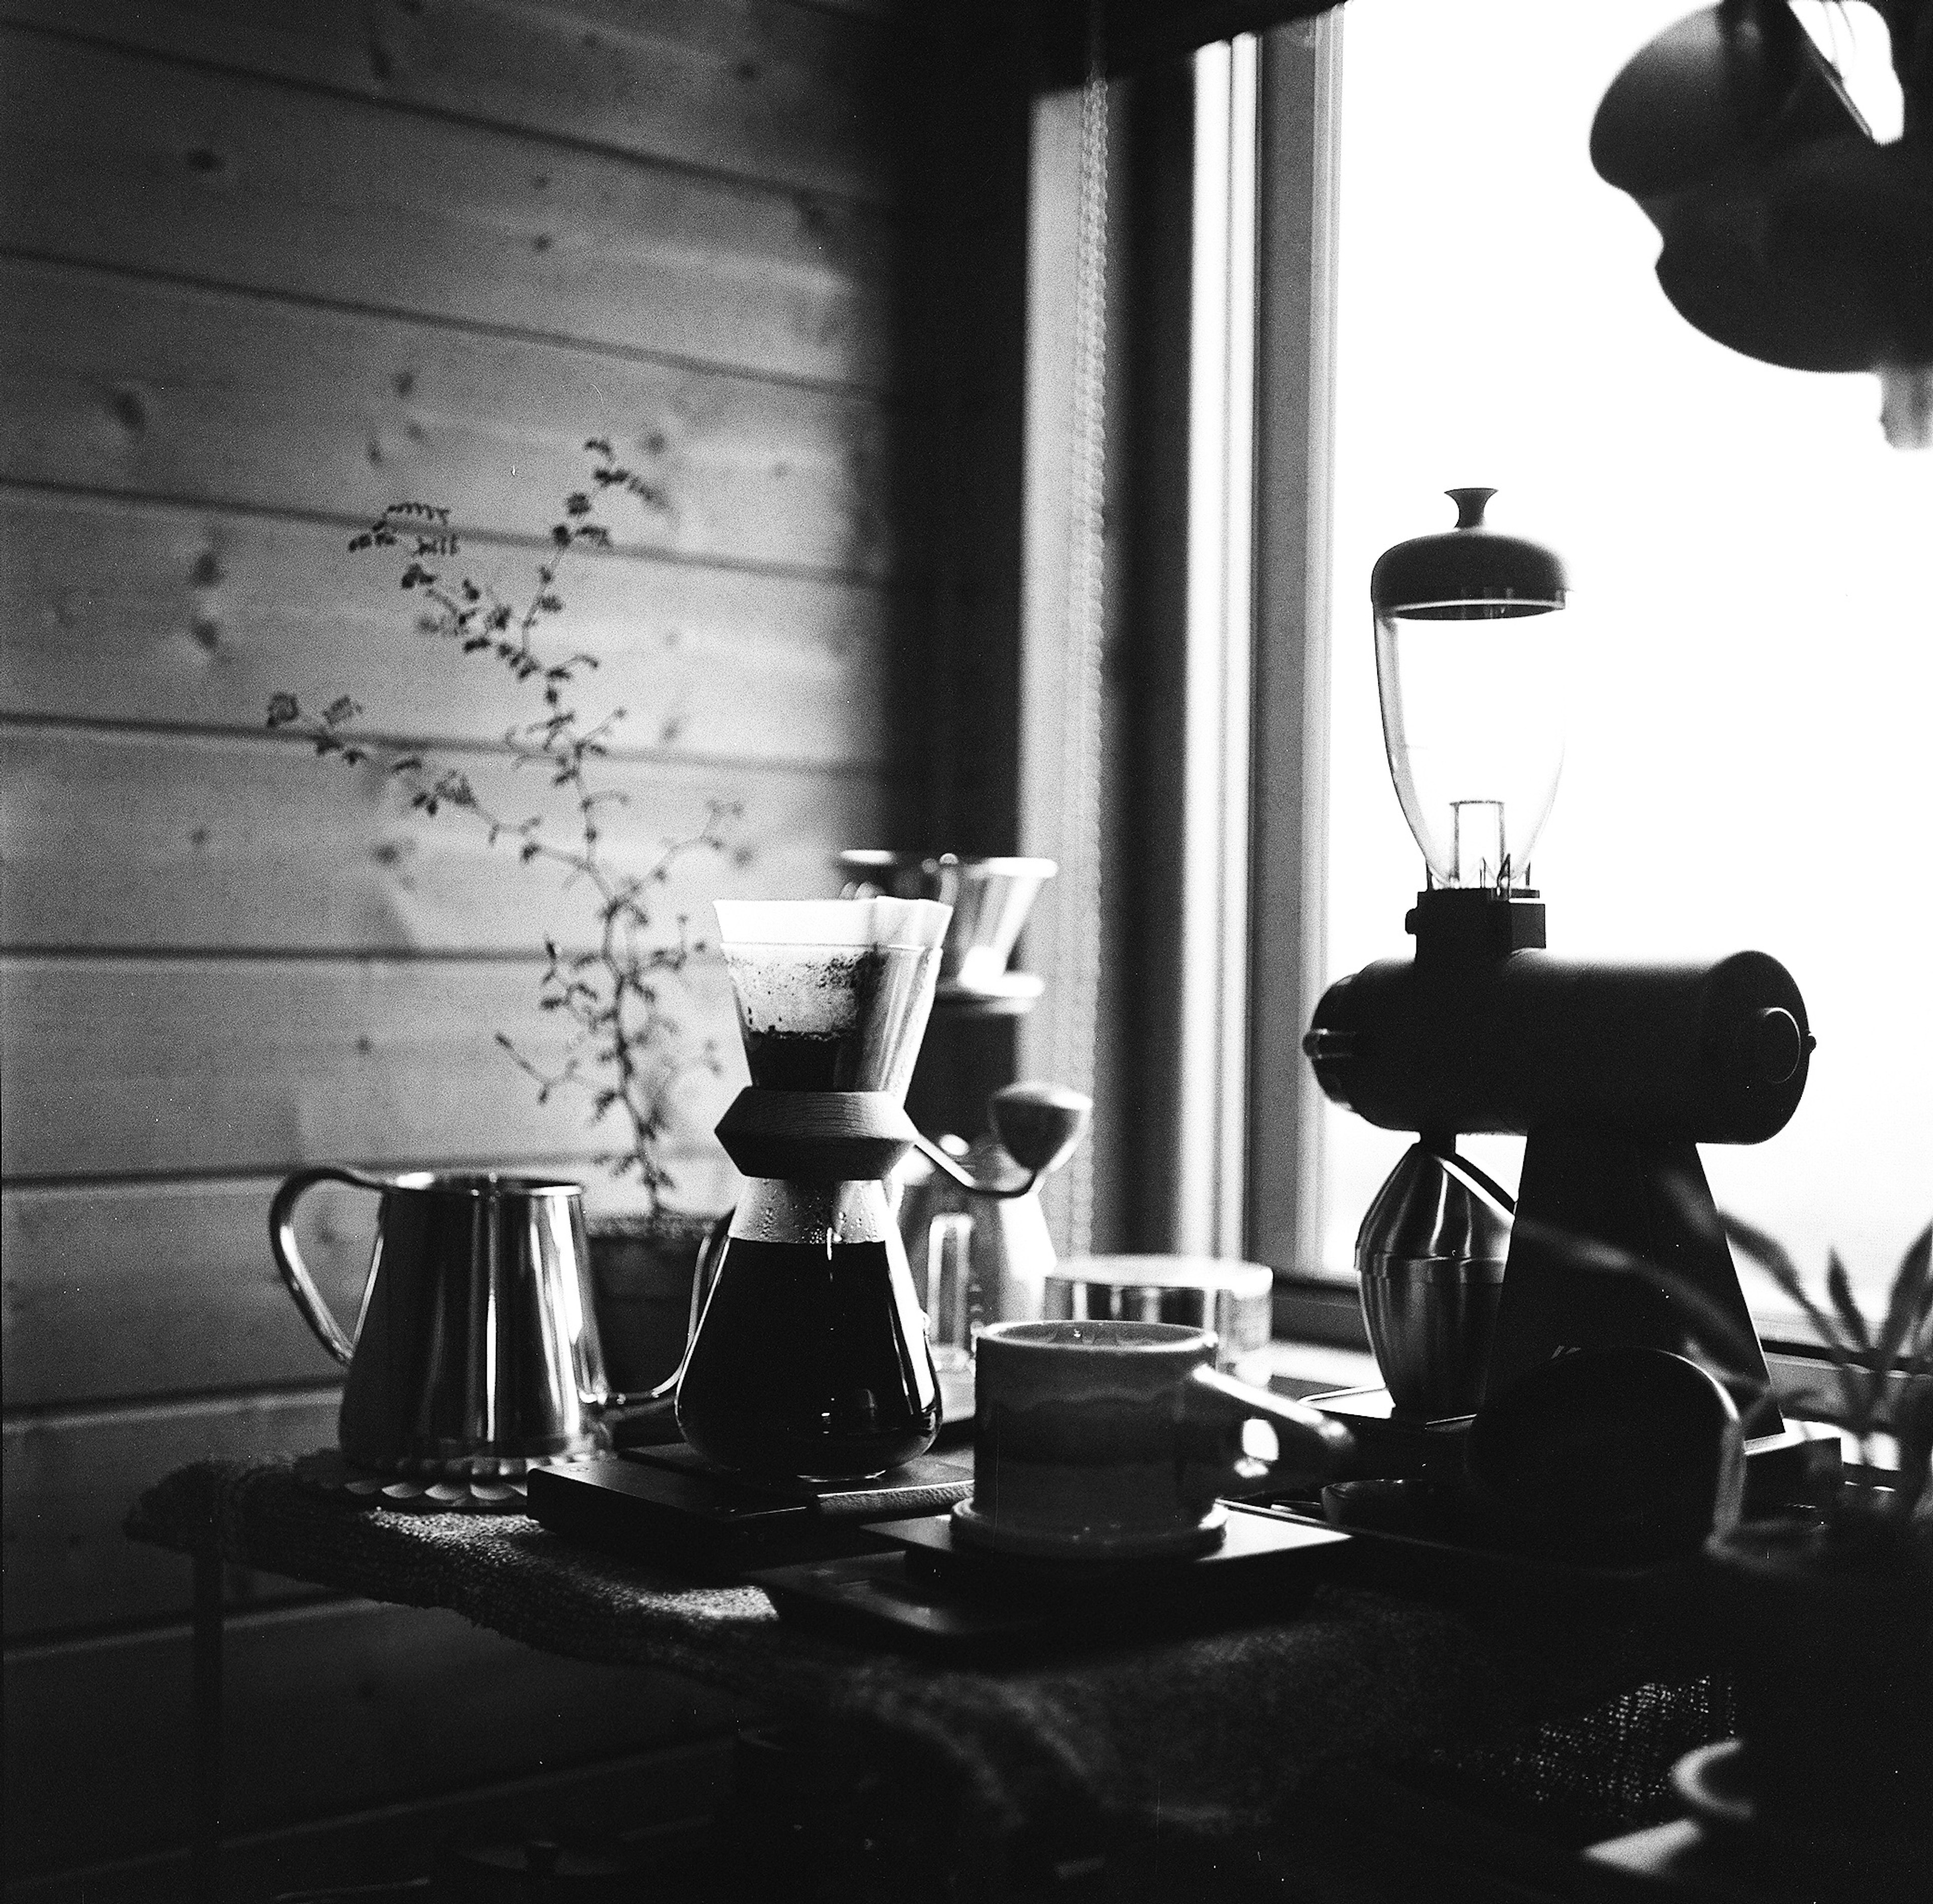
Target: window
(1747, 763)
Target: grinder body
(1613, 1073)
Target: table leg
(204, 1843)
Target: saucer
(1803, 1858)
(1105, 1542)
(1712, 1781)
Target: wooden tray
(666, 1503)
(1435, 1567)
(933, 1596)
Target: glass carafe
(810, 1361)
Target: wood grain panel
(791, 94)
(115, 1290)
(160, 391)
(158, 1066)
(118, 160)
(69, 1480)
(193, 616)
(124, 839)
(329, 1707)
(120, 1291)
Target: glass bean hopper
(1470, 670)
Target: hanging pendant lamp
(1791, 235)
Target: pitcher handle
(704, 1274)
(288, 1259)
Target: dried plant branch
(626, 1048)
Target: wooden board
(190, 617)
(788, 94)
(156, 1066)
(69, 1479)
(165, 392)
(119, 1291)
(327, 1707)
(121, 160)
(117, 839)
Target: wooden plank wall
(263, 270)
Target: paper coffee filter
(916, 923)
(833, 994)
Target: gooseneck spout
(1039, 1126)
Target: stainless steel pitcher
(476, 1352)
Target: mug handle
(1310, 1446)
(288, 1259)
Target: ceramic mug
(1114, 1440)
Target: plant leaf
(1770, 1256)
(1838, 1286)
(1911, 1304)
(1913, 1430)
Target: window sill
(1319, 1309)
(1296, 1369)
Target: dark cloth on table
(1207, 1733)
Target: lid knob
(1471, 572)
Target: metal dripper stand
(1615, 1073)
(973, 1227)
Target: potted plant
(1829, 1616)
(618, 990)
(1824, 1608)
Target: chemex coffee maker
(808, 1400)
(811, 1360)
(1614, 1073)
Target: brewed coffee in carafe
(810, 1360)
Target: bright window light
(1747, 763)
(1852, 35)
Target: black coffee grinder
(1613, 1073)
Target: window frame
(1298, 135)
(1226, 1157)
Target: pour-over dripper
(832, 995)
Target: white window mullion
(1212, 1090)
